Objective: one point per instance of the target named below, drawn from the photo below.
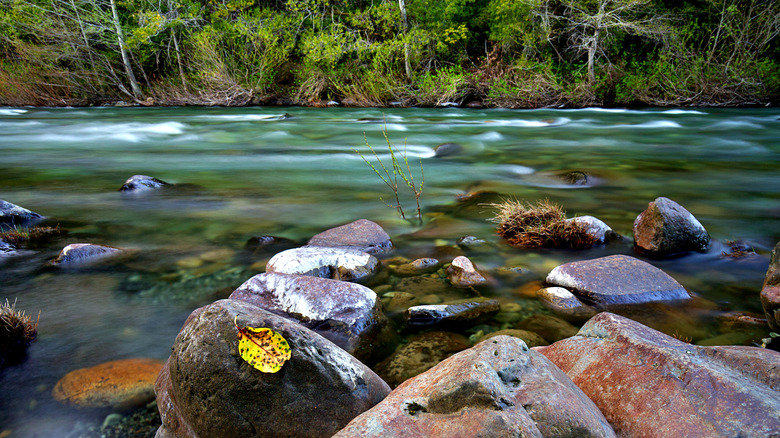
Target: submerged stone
(142, 183)
(85, 254)
(422, 352)
(462, 313)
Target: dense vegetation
(512, 53)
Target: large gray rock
(649, 384)
(86, 254)
(667, 228)
(616, 280)
(142, 183)
(770, 293)
(499, 388)
(207, 390)
(362, 235)
(347, 314)
(324, 262)
(13, 214)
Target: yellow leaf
(262, 348)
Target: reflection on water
(293, 172)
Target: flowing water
(293, 172)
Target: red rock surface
(120, 384)
(667, 228)
(770, 293)
(649, 384)
(499, 388)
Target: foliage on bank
(510, 53)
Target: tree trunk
(178, 61)
(125, 58)
(405, 24)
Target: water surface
(293, 172)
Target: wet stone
(667, 228)
(530, 338)
(334, 263)
(85, 254)
(461, 313)
(549, 327)
(463, 274)
(361, 234)
(142, 183)
(616, 280)
(600, 231)
(417, 267)
(13, 214)
(561, 301)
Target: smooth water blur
(293, 172)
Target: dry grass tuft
(26, 236)
(17, 332)
(542, 225)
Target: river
(293, 172)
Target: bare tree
(405, 24)
(123, 51)
(592, 24)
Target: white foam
(239, 117)
(681, 111)
(11, 111)
(518, 169)
(731, 124)
(651, 125)
(489, 136)
(395, 127)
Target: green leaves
(262, 348)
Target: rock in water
(649, 384)
(461, 313)
(597, 228)
(142, 183)
(616, 280)
(207, 390)
(462, 273)
(422, 352)
(770, 293)
(13, 214)
(499, 388)
(362, 235)
(85, 254)
(666, 228)
(334, 263)
(120, 384)
(347, 314)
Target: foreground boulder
(120, 384)
(362, 235)
(499, 388)
(142, 183)
(667, 228)
(616, 280)
(649, 384)
(347, 314)
(86, 254)
(207, 390)
(13, 214)
(334, 263)
(770, 293)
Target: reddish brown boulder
(499, 388)
(770, 293)
(649, 384)
(667, 228)
(362, 235)
(120, 384)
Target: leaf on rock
(262, 348)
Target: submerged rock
(565, 304)
(549, 327)
(12, 214)
(362, 235)
(347, 314)
(462, 273)
(531, 339)
(416, 267)
(142, 183)
(334, 263)
(667, 228)
(447, 149)
(119, 384)
(461, 313)
(207, 390)
(499, 388)
(616, 280)
(422, 352)
(649, 384)
(86, 254)
(268, 244)
(770, 293)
